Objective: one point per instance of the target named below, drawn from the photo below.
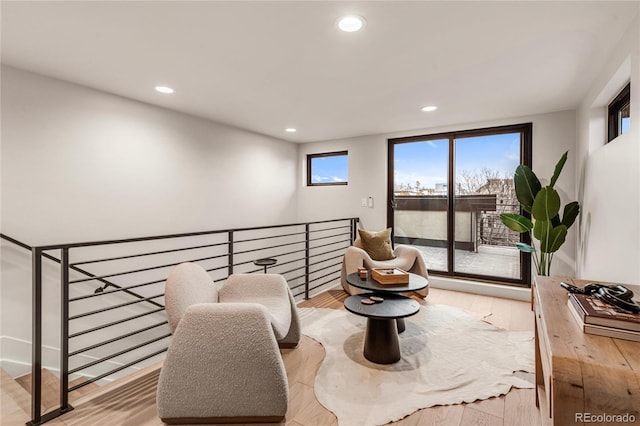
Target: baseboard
(15, 359)
(485, 289)
(16, 356)
(15, 368)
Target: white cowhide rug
(448, 357)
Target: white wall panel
(78, 165)
(82, 165)
(608, 176)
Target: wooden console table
(581, 376)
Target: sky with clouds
(426, 161)
(329, 169)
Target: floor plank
(443, 415)
(303, 362)
(501, 312)
(50, 389)
(305, 408)
(492, 406)
(520, 408)
(85, 390)
(14, 396)
(12, 411)
(472, 416)
(522, 318)
(131, 404)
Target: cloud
(513, 156)
(325, 179)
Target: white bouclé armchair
(404, 257)
(224, 364)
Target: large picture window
(620, 113)
(329, 168)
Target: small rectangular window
(330, 168)
(620, 113)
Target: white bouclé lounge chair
(223, 364)
(403, 257)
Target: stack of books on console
(597, 317)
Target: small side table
(265, 262)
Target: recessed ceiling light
(429, 108)
(290, 130)
(351, 23)
(164, 89)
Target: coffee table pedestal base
(381, 343)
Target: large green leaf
(527, 186)
(546, 204)
(554, 240)
(516, 222)
(543, 234)
(525, 248)
(541, 229)
(558, 169)
(570, 213)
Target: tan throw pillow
(377, 244)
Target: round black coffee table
(381, 344)
(416, 282)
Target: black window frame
(526, 158)
(310, 157)
(621, 101)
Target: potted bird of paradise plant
(546, 225)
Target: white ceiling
(265, 65)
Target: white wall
(81, 165)
(78, 164)
(608, 174)
(553, 134)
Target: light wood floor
(134, 403)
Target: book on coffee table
(597, 312)
(600, 330)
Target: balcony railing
(422, 220)
(112, 292)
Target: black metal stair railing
(120, 324)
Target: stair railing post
(230, 253)
(36, 333)
(64, 331)
(353, 221)
(306, 261)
